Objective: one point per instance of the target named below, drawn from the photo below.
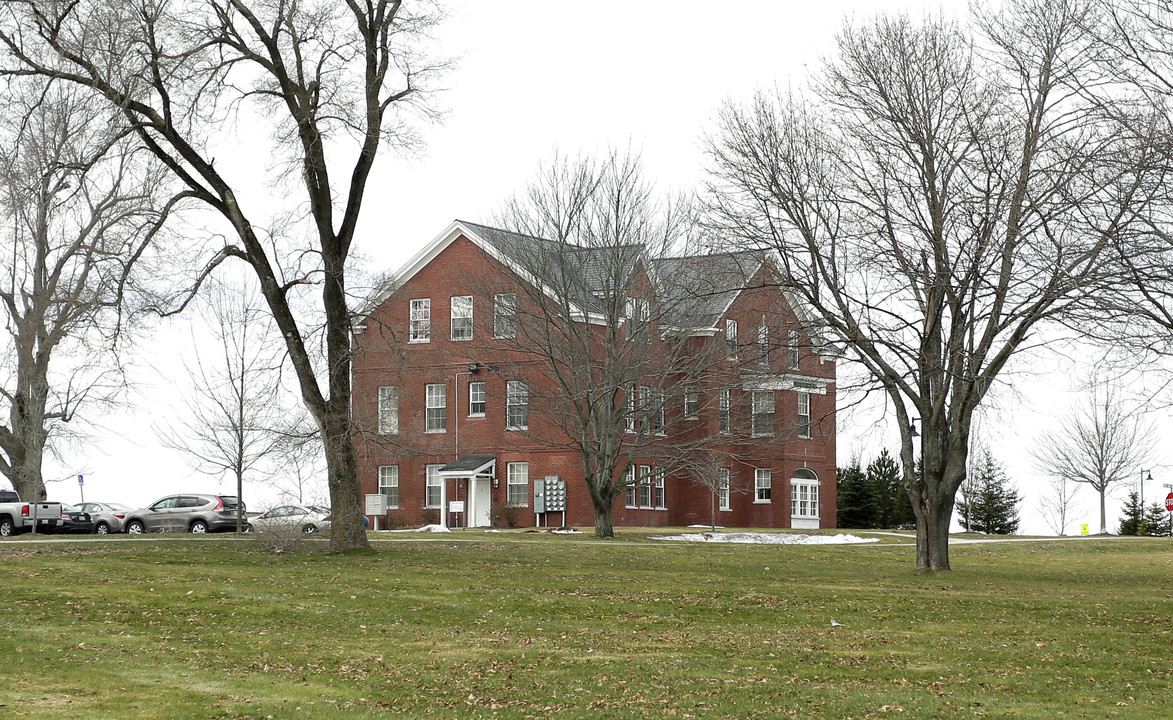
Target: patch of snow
(768, 538)
(719, 527)
(433, 529)
(492, 531)
(565, 531)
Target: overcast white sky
(535, 76)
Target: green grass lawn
(538, 626)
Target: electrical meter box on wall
(549, 495)
(555, 494)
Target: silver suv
(185, 513)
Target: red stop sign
(1169, 502)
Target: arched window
(804, 498)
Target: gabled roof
(567, 272)
(699, 289)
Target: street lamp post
(1143, 479)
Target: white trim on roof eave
(740, 290)
(429, 253)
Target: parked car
(74, 520)
(194, 513)
(17, 516)
(309, 519)
(107, 517)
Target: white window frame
(692, 404)
(516, 405)
(731, 337)
(804, 414)
(762, 485)
(517, 484)
(655, 395)
(804, 498)
(762, 413)
(460, 319)
(724, 411)
(723, 497)
(389, 484)
(645, 487)
(637, 312)
(388, 419)
(629, 488)
(631, 400)
(505, 315)
(792, 341)
(433, 487)
(436, 408)
(659, 499)
(764, 344)
(420, 320)
(476, 396)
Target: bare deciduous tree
(330, 80)
(78, 205)
(928, 199)
(711, 471)
(604, 315)
(1058, 503)
(1100, 444)
(235, 422)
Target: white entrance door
(480, 512)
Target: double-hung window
(629, 487)
(629, 418)
(764, 344)
(692, 400)
(658, 498)
(645, 486)
(804, 409)
(436, 410)
(461, 318)
(389, 484)
(723, 412)
(723, 490)
(654, 397)
(792, 347)
(432, 486)
(388, 410)
(476, 399)
(731, 337)
(763, 413)
(516, 405)
(421, 320)
(638, 312)
(518, 477)
(761, 482)
(505, 315)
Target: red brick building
(446, 417)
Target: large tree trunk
(934, 514)
(603, 527)
(28, 440)
(342, 470)
(603, 501)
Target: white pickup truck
(17, 516)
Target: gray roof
(693, 291)
(468, 463)
(583, 275)
(700, 288)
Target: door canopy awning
(469, 466)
